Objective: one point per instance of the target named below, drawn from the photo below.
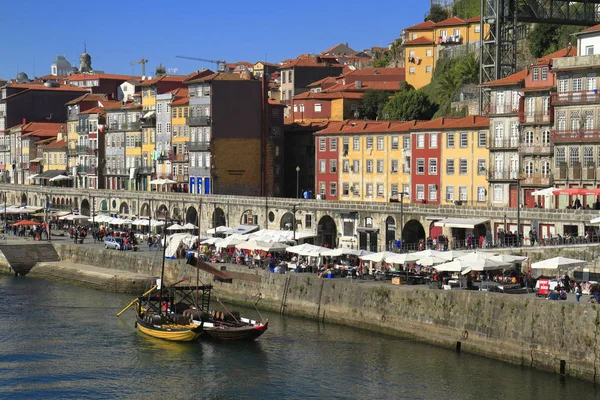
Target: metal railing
(87, 169)
(115, 171)
(575, 135)
(126, 126)
(536, 117)
(536, 149)
(84, 150)
(178, 157)
(537, 180)
(503, 174)
(200, 145)
(580, 97)
(510, 143)
(201, 120)
(507, 107)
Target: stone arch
(124, 208)
(35, 200)
(62, 201)
(162, 211)
(145, 210)
(176, 213)
(287, 222)
(248, 217)
(191, 215)
(218, 217)
(23, 199)
(85, 207)
(390, 232)
(104, 205)
(412, 232)
(74, 203)
(54, 201)
(327, 231)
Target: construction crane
(220, 63)
(143, 61)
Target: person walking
(578, 292)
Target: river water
(58, 341)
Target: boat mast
(162, 270)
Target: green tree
(381, 60)
(466, 8)
(372, 103)
(407, 105)
(437, 13)
(547, 38)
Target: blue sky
(118, 32)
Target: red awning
(577, 191)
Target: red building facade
(425, 161)
(326, 167)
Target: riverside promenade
(555, 336)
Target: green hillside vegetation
(544, 39)
(466, 8)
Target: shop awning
(242, 230)
(366, 229)
(149, 114)
(465, 223)
(39, 159)
(50, 174)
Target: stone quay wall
(517, 329)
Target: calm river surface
(58, 341)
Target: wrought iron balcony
(125, 126)
(580, 97)
(115, 171)
(536, 149)
(537, 180)
(503, 175)
(577, 135)
(199, 146)
(504, 143)
(86, 169)
(5, 147)
(507, 107)
(536, 117)
(84, 150)
(200, 120)
(179, 157)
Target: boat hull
(172, 332)
(234, 333)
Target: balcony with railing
(537, 180)
(536, 149)
(504, 143)
(579, 97)
(575, 135)
(543, 117)
(85, 150)
(146, 170)
(4, 147)
(125, 126)
(115, 171)
(506, 107)
(86, 169)
(198, 120)
(199, 146)
(178, 157)
(505, 174)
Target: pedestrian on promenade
(578, 292)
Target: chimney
(24, 121)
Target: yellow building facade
(55, 156)
(148, 127)
(463, 161)
(180, 138)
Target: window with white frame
(369, 166)
(433, 140)
(546, 168)
(380, 166)
(481, 166)
(318, 107)
(332, 189)
(575, 123)
(482, 139)
(449, 193)
(369, 190)
(577, 84)
(355, 144)
(464, 139)
(432, 190)
(321, 187)
(428, 69)
(450, 166)
(481, 194)
(406, 142)
(563, 85)
(356, 166)
(590, 83)
(322, 144)
(544, 73)
(345, 166)
(332, 144)
(462, 193)
(477, 28)
(369, 143)
(379, 142)
(322, 166)
(411, 70)
(529, 168)
(406, 190)
(380, 190)
(333, 166)
(433, 166)
(529, 138)
(536, 74)
(588, 156)
(345, 189)
(420, 141)
(574, 156)
(428, 53)
(529, 106)
(394, 189)
(395, 143)
(420, 166)
(463, 166)
(588, 119)
(356, 189)
(560, 157)
(498, 192)
(450, 140)
(394, 167)
(589, 50)
(546, 105)
(420, 192)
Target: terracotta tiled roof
(591, 29)
(366, 85)
(163, 78)
(369, 71)
(472, 121)
(422, 26)
(510, 80)
(421, 40)
(37, 86)
(434, 124)
(361, 126)
(274, 102)
(474, 19)
(218, 76)
(306, 60)
(180, 101)
(450, 22)
(566, 52)
(328, 96)
(321, 82)
(88, 97)
(55, 145)
(87, 77)
(35, 126)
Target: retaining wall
(517, 329)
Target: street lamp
(297, 182)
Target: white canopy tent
(378, 257)
(595, 220)
(344, 251)
(175, 227)
(544, 192)
(428, 261)
(307, 249)
(447, 255)
(228, 242)
(403, 258)
(217, 230)
(465, 223)
(263, 246)
(452, 266)
(557, 263)
(74, 217)
(162, 181)
(508, 258)
(189, 226)
(60, 178)
(212, 240)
